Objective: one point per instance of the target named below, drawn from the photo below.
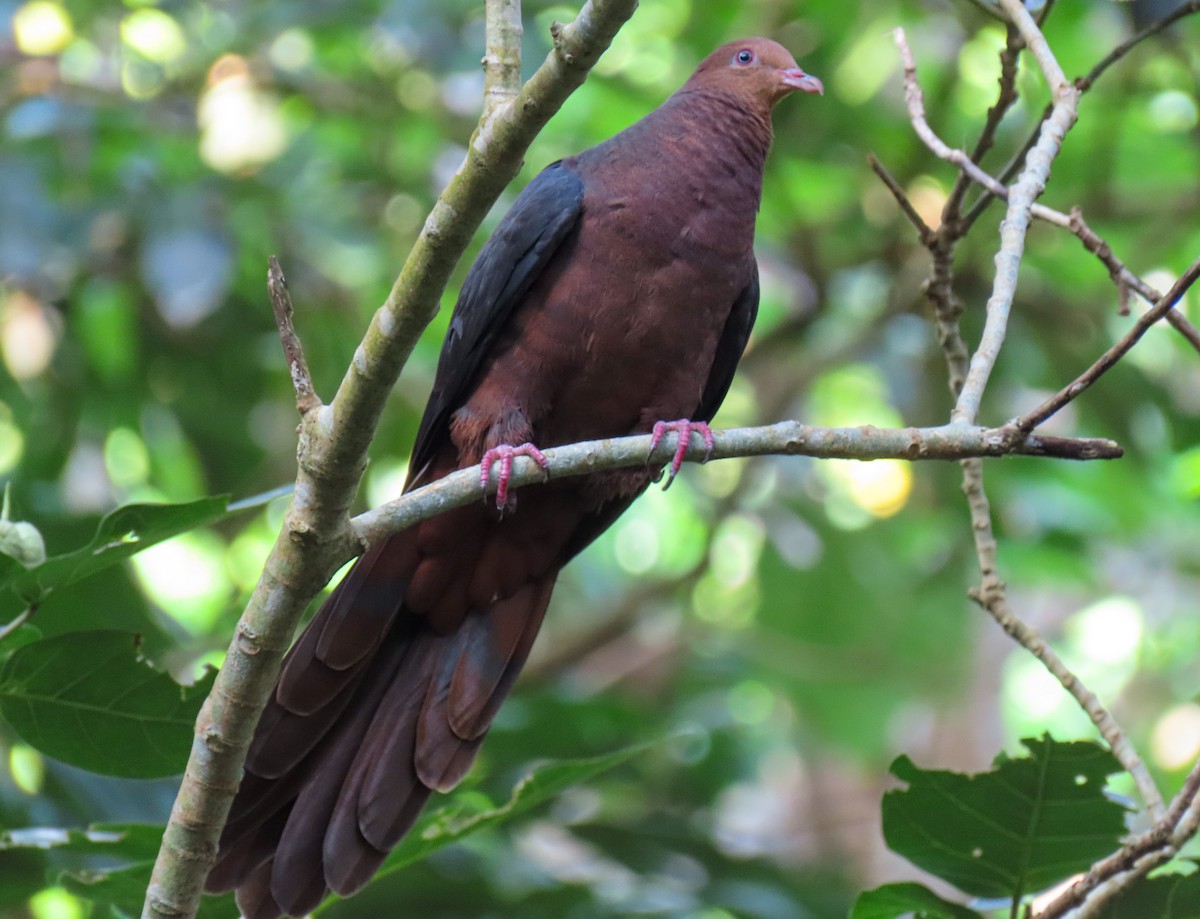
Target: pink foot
(503, 454)
(684, 429)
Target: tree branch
(502, 60)
(332, 448)
(786, 438)
(1136, 858)
(1110, 357)
(293, 352)
(992, 593)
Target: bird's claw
(504, 454)
(684, 429)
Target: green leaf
(90, 700)
(893, 900)
(122, 533)
(22, 635)
(467, 811)
(125, 889)
(1168, 896)
(134, 842)
(1024, 826)
(22, 874)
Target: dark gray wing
(729, 350)
(544, 214)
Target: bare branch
(1136, 858)
(502, 60)
(1110, 357)
(1009, 56)
(281, 304)
(1060, 87)
(1185, 9)
(992, 596)
(902, 199)
(786, 438)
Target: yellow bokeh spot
(28, 335)
(125, 458)
(1107, 633)
(42, 27)
(12, 441)
(241, 127)
(154, 35)
(881, 487)
(56, 903)
(1175, 742)
(27, 768)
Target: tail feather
(298, 878)
(382, 793)
(493, 658)
(381, 702)
(240, 858)
(367, 603)
(254, 895)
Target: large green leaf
(1168, 896)
(22, 874)
(122, 533)
(1025, 825)
(468, 812)
(894, 900)
(89, 699)
(125, 890)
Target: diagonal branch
(1134, 860)
(333, 442)
(1166, 303)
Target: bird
(615, 297)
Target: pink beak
(797, 79)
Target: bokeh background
(804, 622)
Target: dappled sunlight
(29, 334)
(241, 128)
(185, 577)
(1100, 643)
(57, 903)
(1175, 740)
(26, 768)
(42, 27)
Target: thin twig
(1084, 83)
(785, 438)
(1166, 303)
(16, 622)
(991, 594)
(1009, 56)
(1036, 42)
(293, 351)
(1137, 857)
(902, 199)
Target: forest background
(789, 625)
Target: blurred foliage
(806, 622)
